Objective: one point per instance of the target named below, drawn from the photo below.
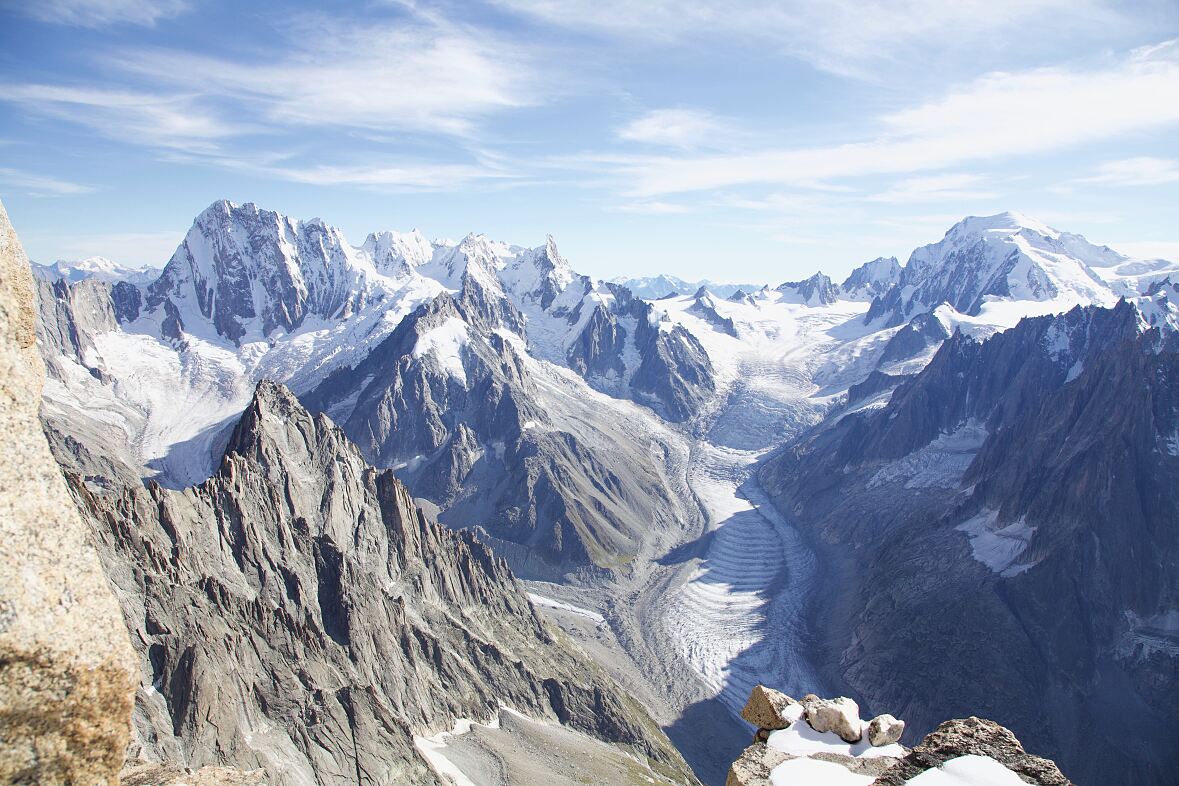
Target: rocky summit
(809, 746)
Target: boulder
(841, 715)
(978, 737)
(768, 708)
(67, 670)
(754, 766)
(885, 730)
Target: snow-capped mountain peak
(539, 274)
(398, 253)
(871, 279)
(818, 290)
(1005, 257)
(246, 272)
(97, 268)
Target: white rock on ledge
(885, 730)
(841, 715)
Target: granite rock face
(768, 708)
(173, 775)
(66, 666)
(299, 614)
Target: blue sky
(735, 140)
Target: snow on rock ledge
(966, 752)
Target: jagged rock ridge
(298, 612)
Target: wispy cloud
(422, 75)
(1000, 115)
(408, 176)
(99, 13)
(655, 208)
(1139, 171)
(179, 122)
(842, 36)
(687, 129)
(40, 185)
(416, 75)
(936, 188)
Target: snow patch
(431, 749)
(799, 739)
(446, 343)
(940, 464)
(998, 549)
(815, 772)
(550, 603)
(969, 770)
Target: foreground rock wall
(66, 665)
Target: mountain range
(959, 465)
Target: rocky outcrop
(675, 373)
(299, 614)
(823, 724)
(148, 774)
(977, 737)
(704, 306)
(66, 666)
(918, 335)
(769, 709)
(249, 272)
(673, 376)
(952, 739)
(818, 290)
(874, 384)
(754, 766)
(598, 350)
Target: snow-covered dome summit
(1007, 256)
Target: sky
(738, 141)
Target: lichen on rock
(67, 670)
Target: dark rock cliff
(1011, 513)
